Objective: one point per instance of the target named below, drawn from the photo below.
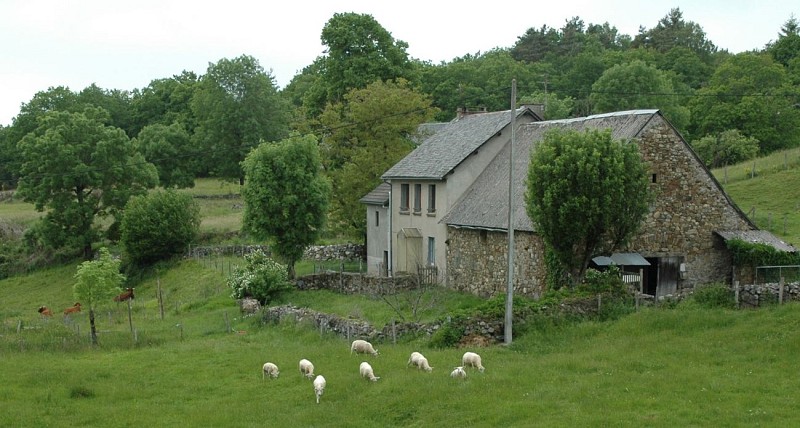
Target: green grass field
(201, 366)
(770, 196)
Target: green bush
(262, 278)
(714, 296)
(449, 334)
(158, 226)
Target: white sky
(123, 44)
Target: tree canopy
(587, 176)
(637, 85)
(359, 51)
(285, 195)
(367, 134)
(79, 169)
(237, 107)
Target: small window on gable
(404, 197)
(377, 218)
(654, 179)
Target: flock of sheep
(470, 359)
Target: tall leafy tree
(359, 51)
(285, 195)
(114, 101)
(673, 31)
(79, 170)
(53, 99)
(97, 281)
(170, 149)
(787, 47)
(369, 132)
(479, 80)
(237, 107)
(637, 85)
(588, 176)
(726, 148)
(754, 94)
(164, 101)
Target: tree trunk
(91, 324)
(290, 270)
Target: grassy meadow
(194, 360)
(767, 189)
(201, 365)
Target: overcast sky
(121, 44)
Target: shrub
(261, 278)
(158, 226)
(714, 296)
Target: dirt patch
(475, 341)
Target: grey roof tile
(378, 196)
(485, 204)
(450, 145)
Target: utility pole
(510, 283)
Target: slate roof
(758, 237)
(378, 196)
(485, 204)
(450, 145)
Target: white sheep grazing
(422, 364)
(412, 360)
(306, 368)
(362, 347)
(459, 372)
(471, 359)
(366, 372)
(270, 370)
(319, 386)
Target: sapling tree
(97, 281)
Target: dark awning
(621, 259)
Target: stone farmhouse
(446, 206)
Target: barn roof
(485, 204)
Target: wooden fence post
(736, 293)
(160, 298)
(780, 290)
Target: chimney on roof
(464, 111)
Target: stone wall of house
(689, 206)
(477, 261)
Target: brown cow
(125, 295)
(45, 311)
(73, 309)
